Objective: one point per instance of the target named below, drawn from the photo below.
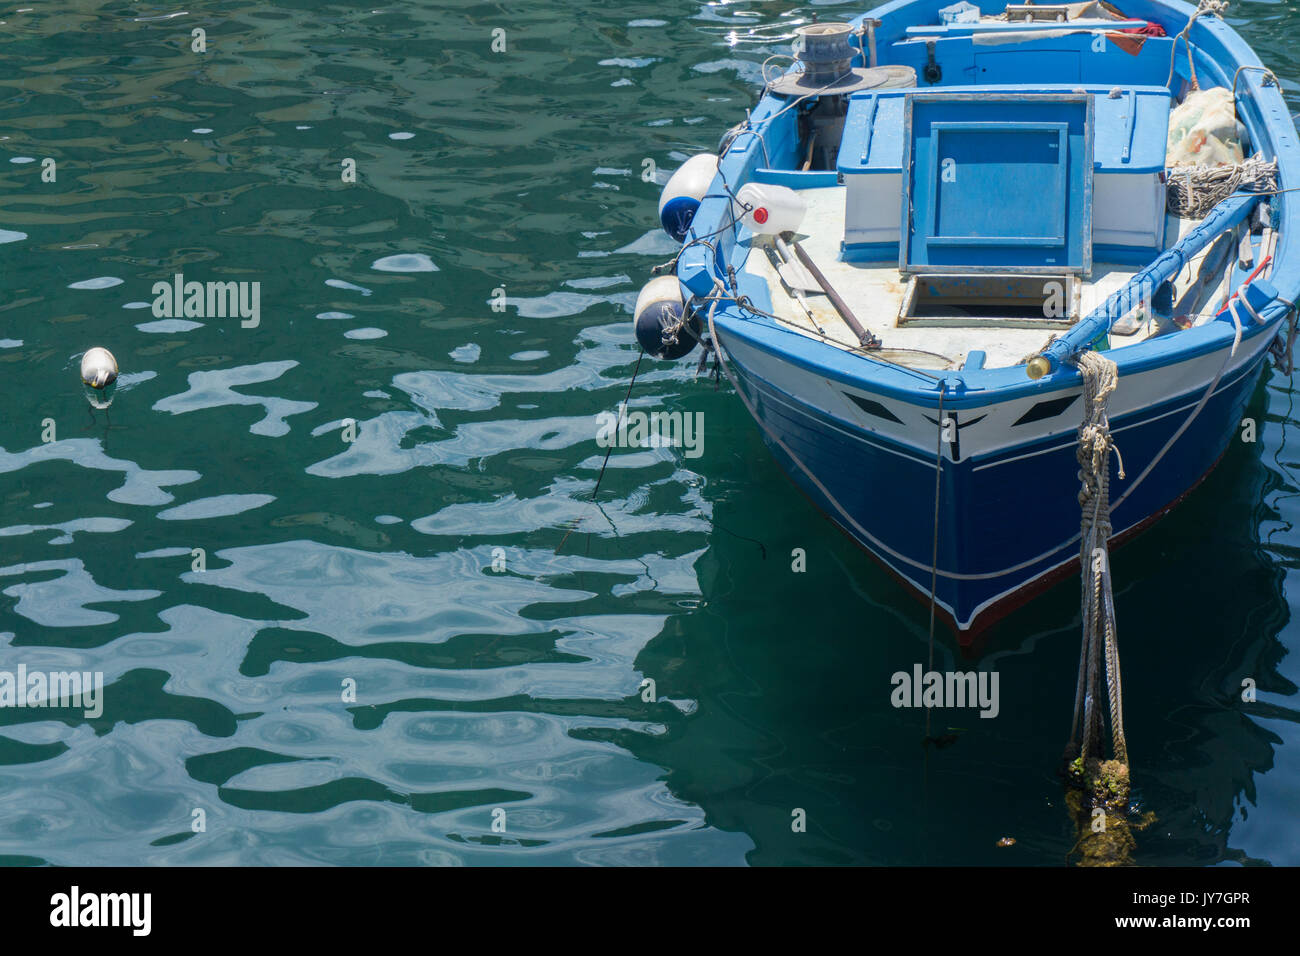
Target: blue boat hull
(1009, 521)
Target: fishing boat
(933, 212)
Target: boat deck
(875, 292)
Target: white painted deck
(875, 291)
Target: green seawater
(369, 651)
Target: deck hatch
(997, 181)
(1002, 300)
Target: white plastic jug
(772, 209)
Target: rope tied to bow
(1100, 647)
(1100, 806)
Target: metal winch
(824, 80)
(824, 52)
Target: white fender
(659, 306)
(683, 193)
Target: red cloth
(1150, 30)
(1126, 41)
(1131, 40)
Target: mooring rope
(1100, 379)
(1099, 799)
(604, 464)
(1215, 8)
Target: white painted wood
(1128, 210)
(873, 207)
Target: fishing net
(1192, 191)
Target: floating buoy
(683, 193)
(99, 375)
(659, 318)
(98, 368)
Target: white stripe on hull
(997, 432)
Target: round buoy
(660, 314)
(684, 191)
(98, 368)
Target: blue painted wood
(796, 179)
(1127, 126)
(1049, 59)
(869, 251)
(1122, 255)
(1169, 263)
(998, 180)
(995, 184)
(873, 134)
(1129, 132)
(1019, 26)
(868, 127)
(957, 58)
